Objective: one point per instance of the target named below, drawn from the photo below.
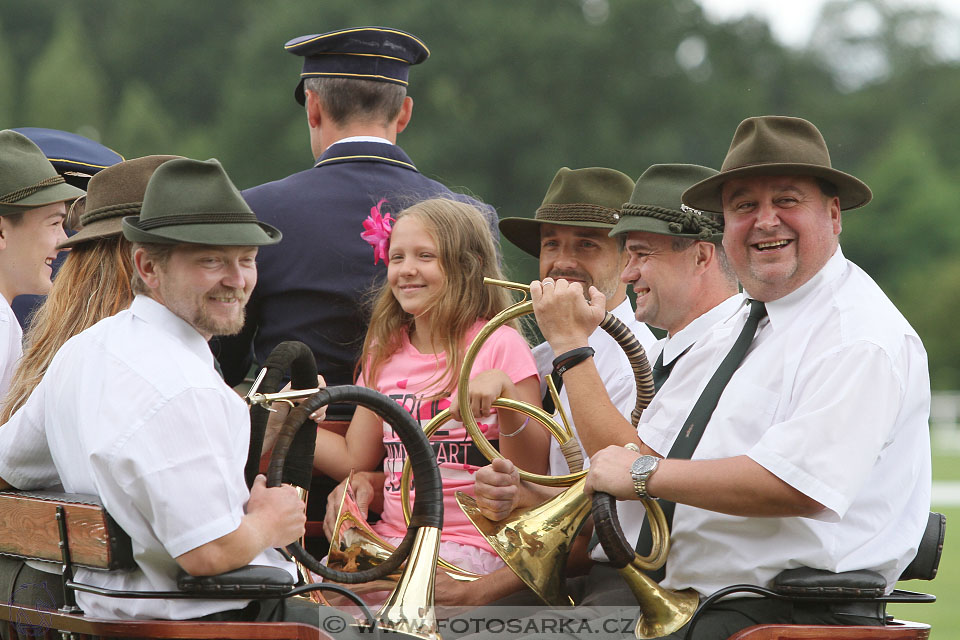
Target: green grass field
(944, 615)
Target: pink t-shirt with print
(412, 379)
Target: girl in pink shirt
(424, 317)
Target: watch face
(643, 465)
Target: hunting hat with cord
(113, 193)
(777, 146)
(576, 198)
(194, 202)
(27, 179)
(655, 207)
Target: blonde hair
(92, 284)
(466, 255)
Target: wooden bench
(32, 525)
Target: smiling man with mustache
(570, 235)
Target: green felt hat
(27, 179)
(194, 202)
(777, 146)
(655, 205)
(576, 198)
(113, 193)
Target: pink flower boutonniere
(377, 228)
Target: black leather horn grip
(642, 373)
(428, 502)
(607, 525)
(297, 358)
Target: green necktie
(696, 422)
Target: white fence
(945, 421)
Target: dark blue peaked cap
(74, 157)
(364, 53)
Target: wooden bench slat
(28, 529)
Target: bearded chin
(230, 327)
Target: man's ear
(406, 112)
(4, 225)
(314, 109)
(704, 255)
(147, 268)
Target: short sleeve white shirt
(833, 398)
(631, 512)
(11, 345)
(614, 369)
(132, 410)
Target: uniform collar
(154, 313)
(678, 344)
(365, 151)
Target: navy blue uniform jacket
(312, 285)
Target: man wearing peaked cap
(132, 410)
(807, 436)
(353, 86)
(32, 210)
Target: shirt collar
(363, 139)
(624, 312)
(676, 345)
(154, 313)
(783, 308)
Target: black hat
(364, 53)
(74, 157)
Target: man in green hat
(132, 410)
(805, 413)
(570, 236)
(32, 210)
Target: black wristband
(571, 358)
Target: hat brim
(48, 195)
(525, 232)
(238, 234)
(706, 194)
(107, 228)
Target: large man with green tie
(802, 417)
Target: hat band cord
(196, 218)
(110, 211)
(16, 196)
(678, 221)
(578, 212)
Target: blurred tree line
(513, 91)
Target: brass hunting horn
(410, 608)
(534, 542)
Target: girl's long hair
(466, 255)
(93, 283)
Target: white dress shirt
(11, 345)
(614, 369)
(833, 398)
(132, 410)
(631, 512)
